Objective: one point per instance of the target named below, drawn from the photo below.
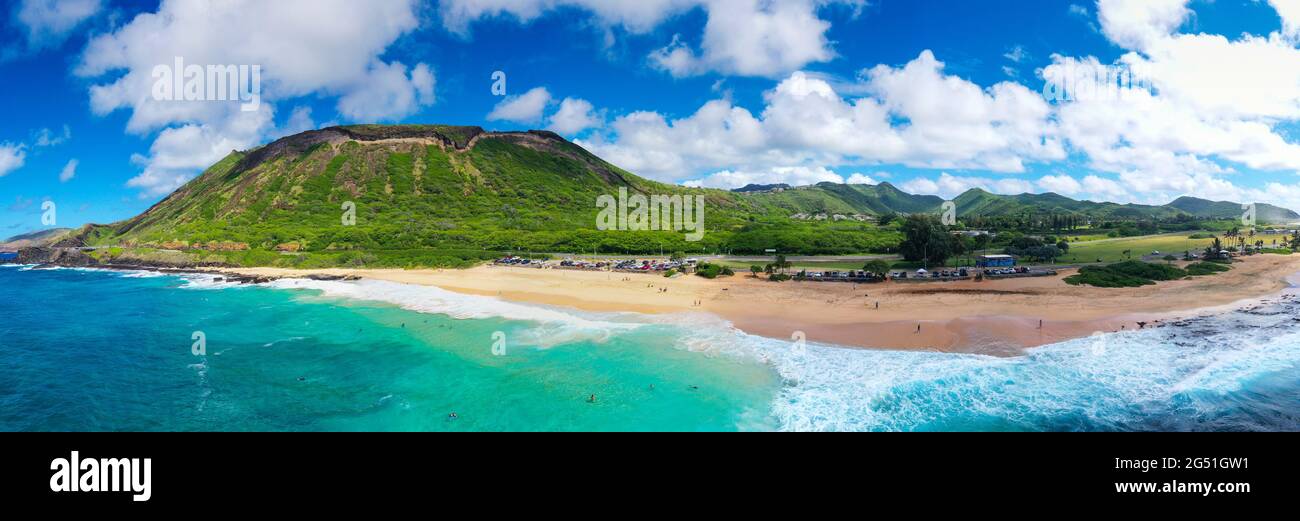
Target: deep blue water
(95, 350)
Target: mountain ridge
(444, 186)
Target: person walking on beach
(918, 328)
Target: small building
(995, 261)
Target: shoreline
(995, 317)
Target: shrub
(713, 271)
(1206, 268)
(1127, 274)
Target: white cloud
(718, 135)
(1104, 189)
(1016, 54)
(1252, 77)
(1216, 103)
(793, 176)
(48, 138)
(860, 179)
(300, 120)
(1061, 184)
(574, 116)
(69, 171)
(179, 153)
(328, 48)
(388, 93)
(949, 186)
(677, 59)
(1136, 24)
(48, 22)
(1289, 11)
(12, 157)
(954, 123)
(742, 37)
(523, 108)
(753, 38)
(949, 123)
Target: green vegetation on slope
(412, 190)
(460, 194)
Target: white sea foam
(206, 281)
(1070, 385)
(555, 326)
(143, 274)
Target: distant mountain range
(32, 239)
(884, 198)
(760, 188)
(438, 186)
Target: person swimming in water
(592, 399)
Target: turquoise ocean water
(99, 350)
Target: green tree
(925, 238)
(755, 270)
(878, 268)
(781, 263)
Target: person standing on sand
(918, 328)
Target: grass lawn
(1113, 250)
(1084, 237)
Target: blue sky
(934, 96)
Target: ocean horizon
(100, 350)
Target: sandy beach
(998, 317)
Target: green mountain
(1226, 210)
(834, 198)
(414, 186)
(459, 191)
(462, 193)
(36, 238)
(980, 202)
